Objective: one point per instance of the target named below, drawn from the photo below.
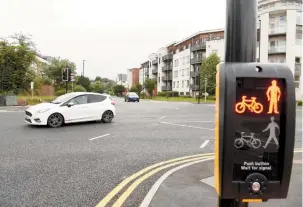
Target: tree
(97, 87)
(208, 71)
(16, 57)
(118, 89)
(150, 85)
(138, 88)
(54, 70)
(85, 82)
(98, 78)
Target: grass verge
(178, 99)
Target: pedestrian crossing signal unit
(254, 130)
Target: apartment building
(132, 77)
(280, 39)
(144, 72)
(121, 79)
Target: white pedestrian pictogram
(272, 132)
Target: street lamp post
(83, 68)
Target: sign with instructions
(258, 109)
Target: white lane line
(204, 144)
(162, 117)
(98, 137)
(151, 193)
(177, 108)
(186, 126)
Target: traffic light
(69, 72)
(64, 74)
(255, 130)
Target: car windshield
(133, 94)
(63, 98)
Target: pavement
(120, 163)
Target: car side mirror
(70, 104)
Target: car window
(95, 98)
(79, 100)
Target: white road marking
(151, 193)
(186, 126)
(209, 181)
(204, 144)
(176, 108)
(162, 117)
(98, 137)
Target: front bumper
(35, 119)
(134, 99)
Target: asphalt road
(40, 166)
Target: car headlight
(43, 110)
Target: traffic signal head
(64, 74)
(255, 130)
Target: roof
(198, 33)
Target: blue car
(131, 97)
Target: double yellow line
(152, 170)
(148, 172)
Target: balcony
(167, 68)
(166, 88)
(199, 46)
(155, 62)
(194, 87)
(299, 21)
(274, 31)
(197, 60)
(167, 57)
(277, 50)
(155, 71)
(194, 73)
(298, 69)
(168, 77)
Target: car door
(79, 111)
(97, 105)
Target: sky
(111, 35)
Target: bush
(79, 88)
(163, 94)
(35, 100)
(143, 94)
(299, 103)
(60, 92)
(173, 93)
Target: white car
(71, 108)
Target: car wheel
(107, 116)
(55, 120)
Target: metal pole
(83, 68)
(240, 40)
(205, 84)
(240, 46)
(72, 86)
(260, 40)
(199, 89)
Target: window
(187, 83)
(182, 72)
(188, 59)
(79, 100)
(182, 84)
(159, 60)
(95, 98)
(298, 60)
(174, 84)
(177, 84)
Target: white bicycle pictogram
(251, 142)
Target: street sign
(32, 85)
(255, 130)
(203, 94)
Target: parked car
(131, 96)
(71, 108)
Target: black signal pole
(240, 46)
